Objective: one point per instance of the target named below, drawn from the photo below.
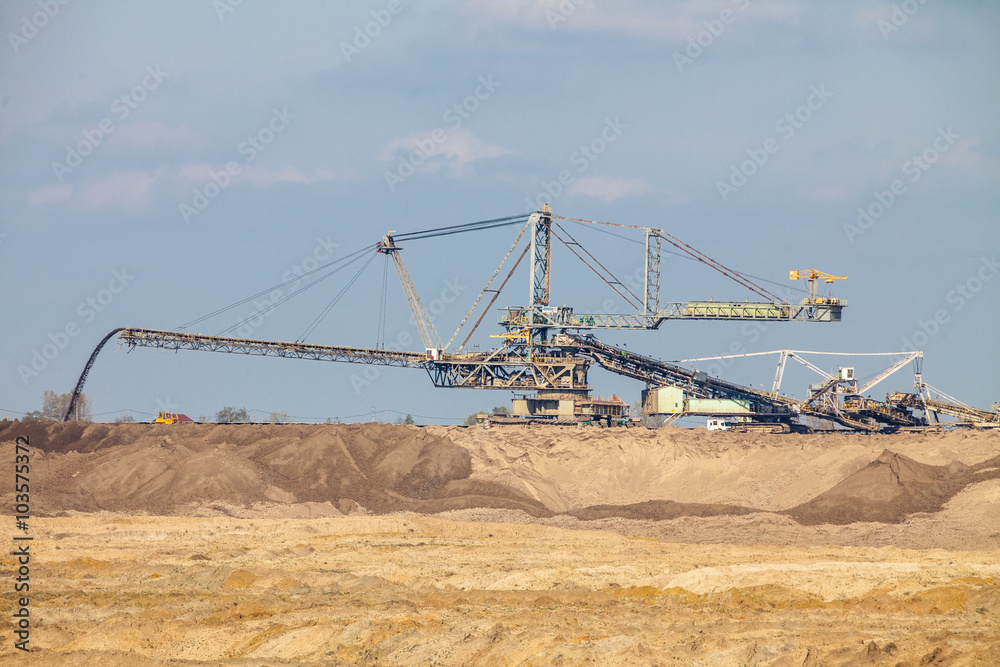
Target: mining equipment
(172, 418)
(812, 276)
(546, 350)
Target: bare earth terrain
(344, 544)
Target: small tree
(409, 420)
(54, 406)
(501, 410)
(231, 415)
(278, 418)
(125, 419)
(34, 415)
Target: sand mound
(891, 488)
(182, 469)
(692, 480)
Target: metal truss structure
(545, 351)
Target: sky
(162, 160)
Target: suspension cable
(496, 295)
(718, 266)
(791, 288)
(459, 229)
(267, 309)
(697, 255)
(611, 283)
(319, 318)
(488, 283)
(280, 285)
(380, 331)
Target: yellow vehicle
(172, 418)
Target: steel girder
(172, 340)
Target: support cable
(488, 283)
(319, 318)
(721, 268)
(496, 295)
(611, 283)
(598, 222)
(688, 257)
(458, 229)
(732, 274)
(280, 285)
(270, 307)
(380, 331)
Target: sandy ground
(253, 545)
(410, 589)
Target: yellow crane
(812, 275)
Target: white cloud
(120, 190)
(666, 22)
(671, 197)
(262, 176)
(964, 153)
(148, 135)
(258, 175)
(52, 194)
(609, 188)
(454, 148)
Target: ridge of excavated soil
(891, 488)
(592, 475)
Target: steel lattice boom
(542, 350)
(173, 340)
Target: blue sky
(162, 160)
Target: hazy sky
(162, 160)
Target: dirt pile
(730, 486)
(567, 469)
(188, 469)
(891, 488)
